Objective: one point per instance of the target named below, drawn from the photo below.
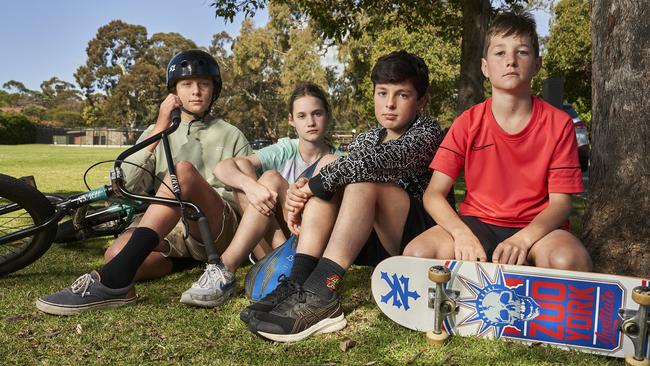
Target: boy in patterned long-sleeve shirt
(359, 209)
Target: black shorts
(417, 221)
(489, 235)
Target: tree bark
(617, 218)
(476, 14)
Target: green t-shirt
(203, 144)
(284, 157)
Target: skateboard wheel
(439, 274)
(437, 338)
(630, 327)
(641, 295)
(631, 361)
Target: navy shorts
(489, 235)
(417, 221)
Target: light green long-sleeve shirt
(204, 144)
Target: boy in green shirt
(194, 79)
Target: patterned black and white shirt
(404, 161)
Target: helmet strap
(197, 117)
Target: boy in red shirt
(520, 161)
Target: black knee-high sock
(120, 271)
(303, 265)
(325, 279)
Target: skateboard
(591, 312)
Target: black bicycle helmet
(193, 63)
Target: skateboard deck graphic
(569, 309)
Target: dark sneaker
(285, 288)
(85, 293)
(300, 315)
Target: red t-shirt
(509, 177)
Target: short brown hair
(507, 24)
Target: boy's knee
(185, 168)
(412, 250)
(186, 172)
(271, 178)
(361, 187)
(572, 261)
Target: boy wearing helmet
(157, 242)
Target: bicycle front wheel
(22, 206)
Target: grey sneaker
(215, 286)
(85, 293)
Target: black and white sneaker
(285, 288)
(85, 293)
(300, 315)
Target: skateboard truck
(443, 303)
(636, 326)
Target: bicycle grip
(176, 115)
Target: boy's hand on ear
(165, 112)
(511, 251)
(467, 247)
(263, 199)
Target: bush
(35, 111)
(16, 129)
(66, 118)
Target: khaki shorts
(190, 247)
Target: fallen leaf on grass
(79, 329)
(370, 363)
(346, 344)
(52, 333)
(27, 334)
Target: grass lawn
(160, 330)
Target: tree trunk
(617, 218)
(470, 84)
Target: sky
(44, 38)
(40, 39)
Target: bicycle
(29, 220)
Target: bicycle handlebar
(176, 122)
(117, 184)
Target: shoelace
(210, 276)
(285, 287)
(81, 284)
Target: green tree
(438, 53)
(162, 46)
(252, 101)
(124, 77)
(265, 65)
(350, 19)
(301, 62)
(135, 99)
(568, 52)
(15, 85)
(112, 53)
(19, 95)
(56, 92)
